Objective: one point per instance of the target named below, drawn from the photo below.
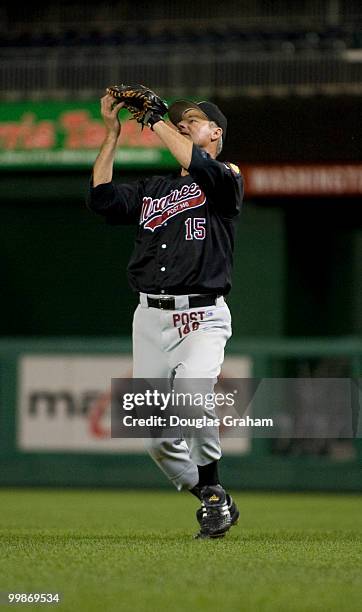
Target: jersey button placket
(162, 265)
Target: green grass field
(133, 551)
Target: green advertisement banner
(60, 135)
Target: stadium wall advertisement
(302, 179)
(64, 403)
(68, 135)
(61, 135)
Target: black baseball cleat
(233, 509)
(214, 515)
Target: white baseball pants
(174, 345)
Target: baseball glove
(146, 107)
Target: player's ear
(216, 133)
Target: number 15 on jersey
(195, 228)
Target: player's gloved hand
(146, 107)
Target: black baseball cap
(212, 112)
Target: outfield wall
(55, 419)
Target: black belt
(195, 301)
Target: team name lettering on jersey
(156, 211)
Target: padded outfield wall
(55, 418)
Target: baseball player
(181, 269)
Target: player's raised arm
(103, 166)
(119, 204)
(178, 144)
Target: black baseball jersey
(186, 226)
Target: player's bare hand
(109, 111)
